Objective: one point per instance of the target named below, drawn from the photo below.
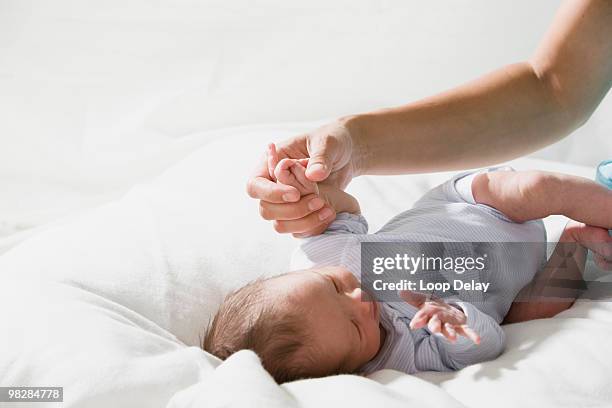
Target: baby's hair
(248, 319)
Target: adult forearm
(580, 199)
(503, 115)
(498, 117)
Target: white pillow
(169, 249)
(108, 304)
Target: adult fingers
(271, 159)
(597, 240)
(264, 189)
(602, 262)
(261, 186)
(290, 211)
(603, 249)
(304, 224)
(315, 231)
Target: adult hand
(595, 239)
(329, 151)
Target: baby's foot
(292, 172)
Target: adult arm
(508, 113)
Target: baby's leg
(556, 287)
(292, 172)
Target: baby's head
(310, 323)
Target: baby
(317, 321)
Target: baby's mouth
(366, 297)
(374, 310)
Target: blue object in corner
(604, 173)
(604, 177)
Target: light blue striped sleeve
(462, 183)
(434, 353)
(457, 189)
(347, 223)
(330, 247)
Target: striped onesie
(447, 213)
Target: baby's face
(345, 328)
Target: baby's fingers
(435, 324)
(420, 319)
(465, 331)
(282, 171)
(449, 332)
(299, 172)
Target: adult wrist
(354, 126)
(554, 188)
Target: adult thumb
(320, 163)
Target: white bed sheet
(116, 300)
(100, 98)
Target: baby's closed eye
(357, 328)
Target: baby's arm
(529, 195)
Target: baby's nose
(356, 294)
(360, 295)
(362, 300)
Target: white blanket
(112, 304)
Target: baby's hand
(292, 172)
(439, 317)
